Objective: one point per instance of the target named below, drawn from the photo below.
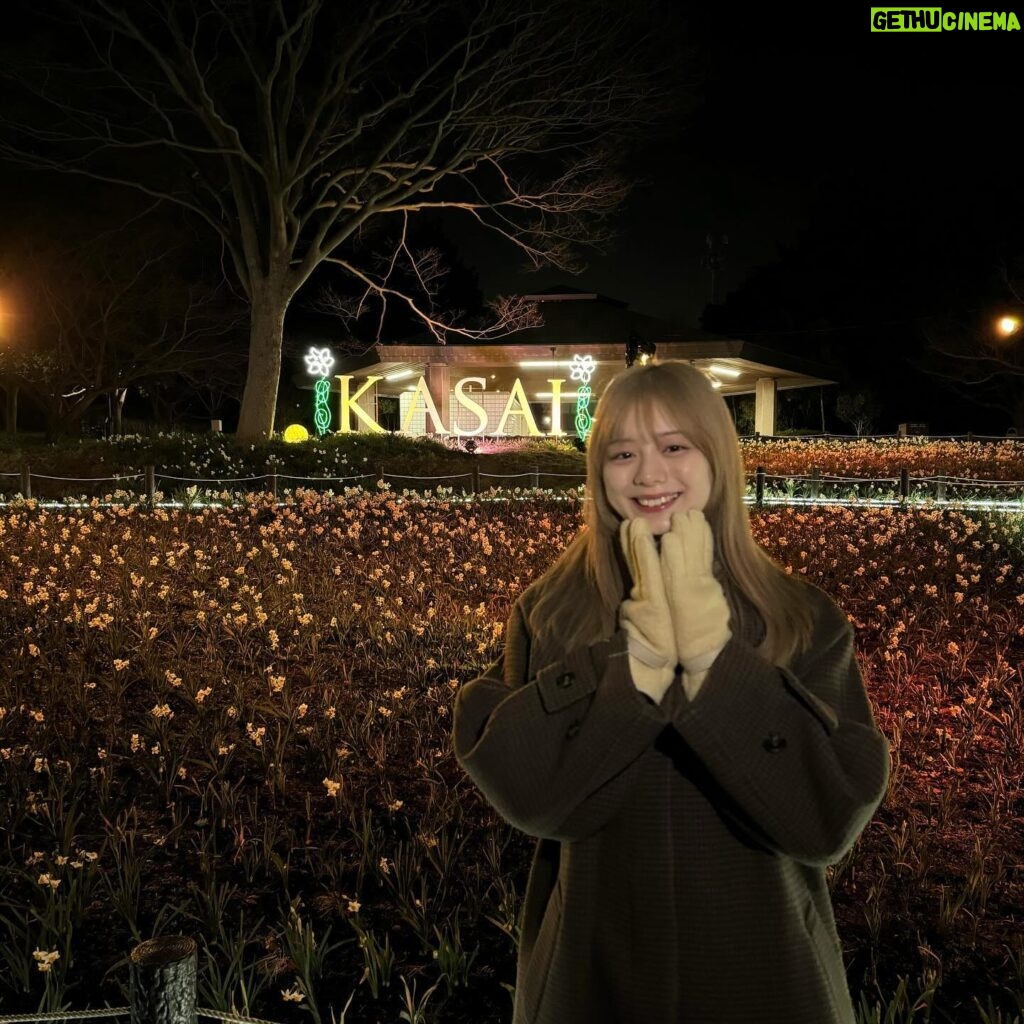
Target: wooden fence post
(476, 479)
(273, 481)
(26, 481)
(151, 484)
(760, 486)
(163, 981)
(815, 483)
(904, 483)
(535, 478)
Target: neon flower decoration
(319, 362)
(582, 369)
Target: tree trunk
(11, 409)
(55, 427)
(270, 299)
(64, 421)
(119, 396)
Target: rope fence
(120, 1011)
(31, 1018)
(811, 485)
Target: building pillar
(439, 386)
(764, 406)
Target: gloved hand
(696, 601)
(645, 614)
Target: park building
(479, 388)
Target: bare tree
(290, 127)
(410, 280)
(859, 407)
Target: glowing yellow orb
(295, 432)
(1009, 325)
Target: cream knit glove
(645, 616)
(696, 601)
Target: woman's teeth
(656, 502)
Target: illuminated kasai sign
(517, 406)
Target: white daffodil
(45, 959)
(582, 368)
(319, 362)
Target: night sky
(801, 120)
(879, 175)
(881, 172)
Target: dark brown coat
(679, 877)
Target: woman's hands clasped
(677, 611)
(696, 601)
(645, 614)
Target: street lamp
(1008, 325)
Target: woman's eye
(677, 447)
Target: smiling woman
(687, 734)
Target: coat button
(774, 742)
(565, 679)
(573, 730)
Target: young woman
(684, 727)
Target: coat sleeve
(797, 752)
(555, 754)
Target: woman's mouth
(655, 504)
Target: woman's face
(654, 475)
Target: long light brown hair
(577, 599)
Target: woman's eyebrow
(629, 440)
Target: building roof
(578, 323)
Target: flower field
(235, 724)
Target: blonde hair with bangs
(577, 599)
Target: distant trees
(94, 318)
(294, 130)
(859, 407)
(977, 362)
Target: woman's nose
(650, 471)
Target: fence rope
(207, 480)
(121, 1011)
(236, 1018)
(29, 1018)
(544, 472)
(83, 479)
(328, 479)
(453, 476)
